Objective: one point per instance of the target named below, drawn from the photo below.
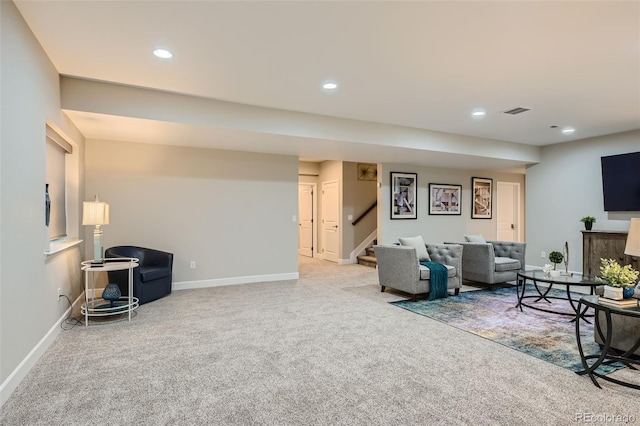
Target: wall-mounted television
(621, 182)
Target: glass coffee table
(541, 298)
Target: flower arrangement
(611, 273)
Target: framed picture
(403, 195)
(481, 192)
(367, 171)
(444, 199)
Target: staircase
(369, 258)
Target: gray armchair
(398, 267)
(492, 262)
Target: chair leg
(457, 291)
(382, 289)
(414, 298)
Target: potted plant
(588, 222)
(616, 276)
(555, 257)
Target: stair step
(370, 251)
(368, 261)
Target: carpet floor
(326, 349)
(493, 314)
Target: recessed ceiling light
(163, 53)
(568, 130)
(477, 113)
(330, 85)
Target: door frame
(517, 207)
(314, 214)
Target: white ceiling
(423, 65)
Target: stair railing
(359, 218)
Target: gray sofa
(398, 267)
(492, 262)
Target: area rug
(492, 314)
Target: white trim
(17, 376)
(363, 245)
(217, 282)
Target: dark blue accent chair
(151, 280)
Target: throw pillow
(474, 238)
(418, 244)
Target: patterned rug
(492, 314)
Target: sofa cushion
(507, 264)
(418, 244)
(477, 238)
(425, 272)
(151, 273)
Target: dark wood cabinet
(604, 244)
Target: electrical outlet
(543, 254)
(193, 264)
(59, 293)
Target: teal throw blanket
(438, 277)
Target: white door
(305, 219)
(508, 211)
(330, 220)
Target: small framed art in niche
(367, 171)
(481, 193)
(403, 195)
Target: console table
(604, 244)
(607, 355)
(96, 307)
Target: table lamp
(633, 238)
(96, 213)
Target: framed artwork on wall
(481, 193)
(444, 199)
(403, 195)
(367, 171)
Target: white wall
(29, 307)
(566, 186)
(437, 228)
(230, 212)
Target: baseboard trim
(218, 282)
(17, 376)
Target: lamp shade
(633, 238)
(95, 213)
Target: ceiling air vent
(516, 110)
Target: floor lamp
(96, 213)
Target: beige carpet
(326, 349)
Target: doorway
(508, 211)
(331, 220)
(307, 234)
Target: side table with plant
(614, 275)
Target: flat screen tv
(621, 182)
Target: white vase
(554, 273)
